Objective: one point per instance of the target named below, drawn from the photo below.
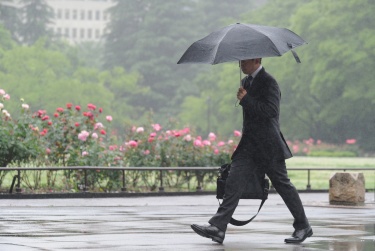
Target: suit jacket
(261, 135)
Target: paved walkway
(163, 223)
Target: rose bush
(75, 135)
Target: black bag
(256, 189)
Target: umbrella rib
(218, 44)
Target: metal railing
(17, 178)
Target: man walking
(261, 148)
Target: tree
(150, 36)
(37, 15)
(47, 79)
(10, 17)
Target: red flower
(60, 109)
(76, 124)
(78, 108)
(69, 105)
(91, 107)
(103, 132)
(100, 110)
(56, 115)
(45, 118)
(49, 122)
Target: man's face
(248, 66)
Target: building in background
(80, 20)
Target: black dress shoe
(209, 231)
(300, 235)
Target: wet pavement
(163, 223)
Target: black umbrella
(242, 41)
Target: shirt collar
(254, 74)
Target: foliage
(46, 78)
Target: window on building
(89, 15)
(74, 33)
(89, 33)
(82, 33)
(97, 15)
(97, 33)
(66, 32)
(82, 15)
(59, 14)
(67, 14)
(74, 14)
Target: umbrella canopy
(242, 41)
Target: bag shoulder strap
(243, 223)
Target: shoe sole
(203, 234)
(308, 235)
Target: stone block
(347, 189)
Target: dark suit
(262, 150)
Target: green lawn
(320, 179)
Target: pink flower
(98, 126)
(140, 130)
(76, 124)
(133, 143)
(146, 152)
(212, 136)
(108, 118)
(25, 106)
(318, 142)
(94, 135)
(56, 115)
(100, 110)
(45, 118)
(177, 134)
(230, 142)
(206, 142)
(187, 137)
(237, 133)
(48, 151)
(49, 122)
(6, 97)
(103, 132)
(152, 135)
(295, 148)
(198, 143)
(156, 127)
(83, 135)
(112, 148)
(221, 143)
(216, 151)
(84, 153)
(69, 106)
(2, 92)
(351, 141)
(78, 108)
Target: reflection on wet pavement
(163, 223)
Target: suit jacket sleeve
(265, 104)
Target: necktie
(247, 83)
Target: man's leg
(239, 176)
(279, 177)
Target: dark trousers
(241, 173)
